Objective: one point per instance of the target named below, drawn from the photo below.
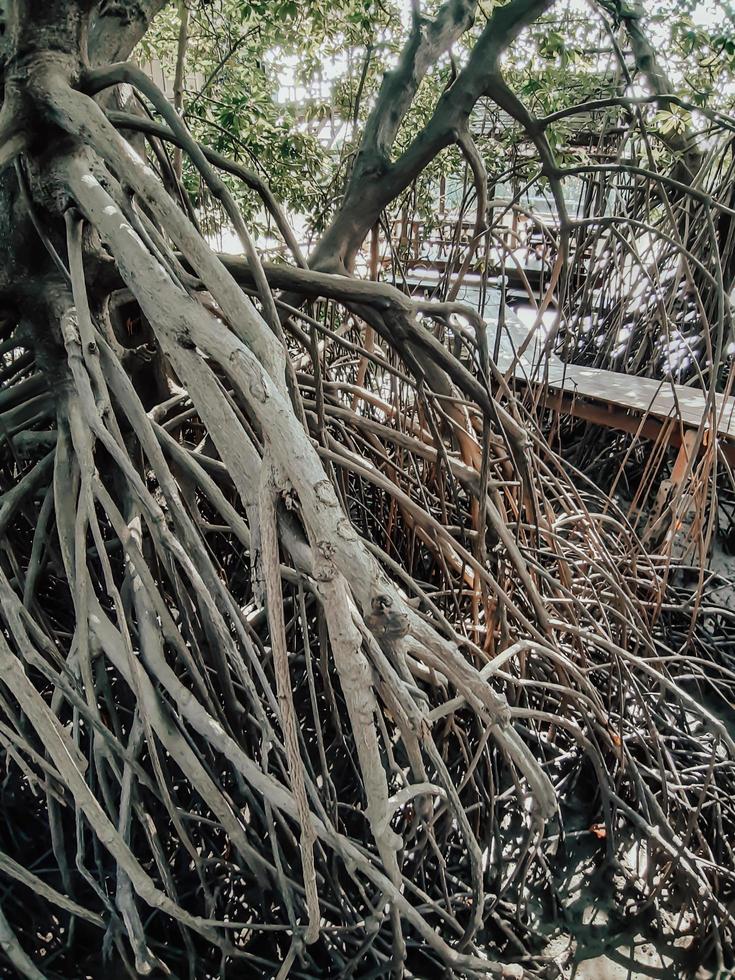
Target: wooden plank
(609, 398)
(660, 400)
(645, 395)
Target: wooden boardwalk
(651, 408)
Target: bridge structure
(677, 415)
(521, 253)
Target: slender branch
(624, 102)
(125, 120)
(648, 64)
(269, 550)
(183, 41)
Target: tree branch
(646, 61)
(117, 26)
(428, 41)
(141, 124)
(370, 190)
